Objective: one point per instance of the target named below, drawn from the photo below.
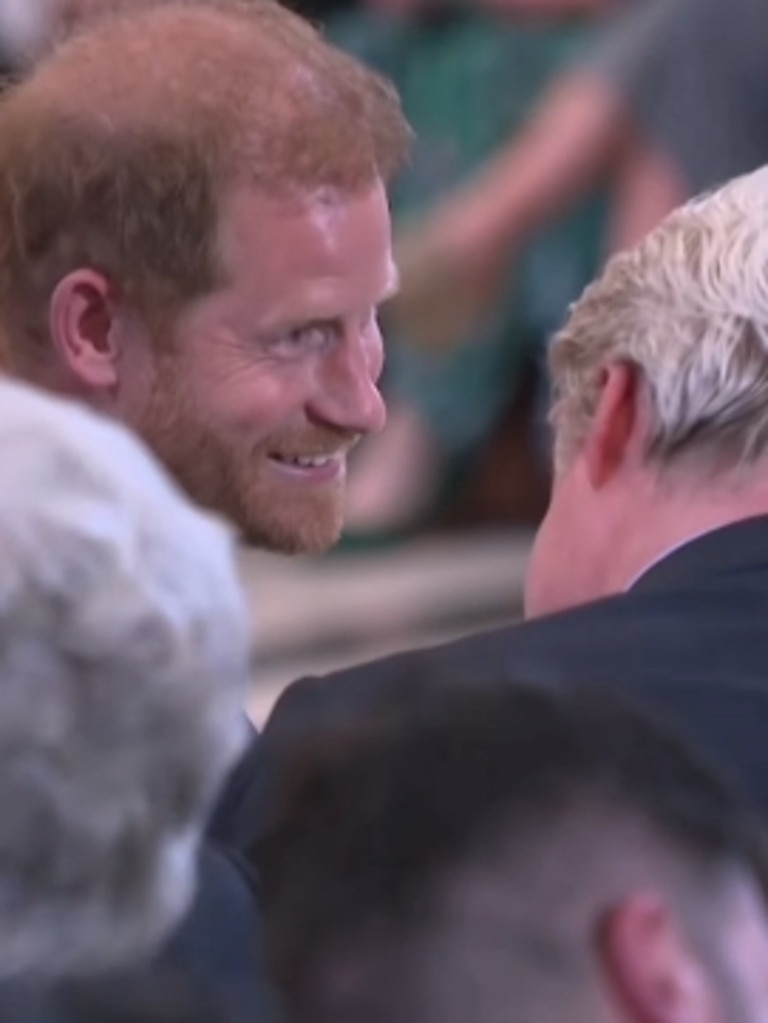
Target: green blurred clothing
(468, 81)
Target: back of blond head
(688, 306)
(117, 151)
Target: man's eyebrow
(285, 320)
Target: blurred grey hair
(689, 307)
(124, 661)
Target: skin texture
(279, 363)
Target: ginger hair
(117, 150)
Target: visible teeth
(307, 462)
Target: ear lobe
(615, 422)
(652, 971)
(81, 324)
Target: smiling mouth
(308, 461)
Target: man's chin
(287, 537)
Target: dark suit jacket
(217, 952)
(689, 640)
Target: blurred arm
(560, 154)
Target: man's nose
(346, 394)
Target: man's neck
(664, 555)
(659, 532)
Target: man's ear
(612, 435)
(652, 971)
(82, 328)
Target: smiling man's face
(273, 377)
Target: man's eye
(310, 337)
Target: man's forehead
(322, 218)
(295, 268)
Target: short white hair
(124, 662)
(689, 307)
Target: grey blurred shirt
(695, 75)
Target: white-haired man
(655, 547)
(124, 664)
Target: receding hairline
(118, 149)
(254, 73)
(90, 63)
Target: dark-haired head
(513, 853)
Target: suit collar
(724, 550)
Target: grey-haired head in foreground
(124, 648)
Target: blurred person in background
(509, 854)
(469, 75)
(29, 28)
(652, 561)
(664, 100)
(124, 664)
(26, 30)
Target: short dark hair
(369, 821)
